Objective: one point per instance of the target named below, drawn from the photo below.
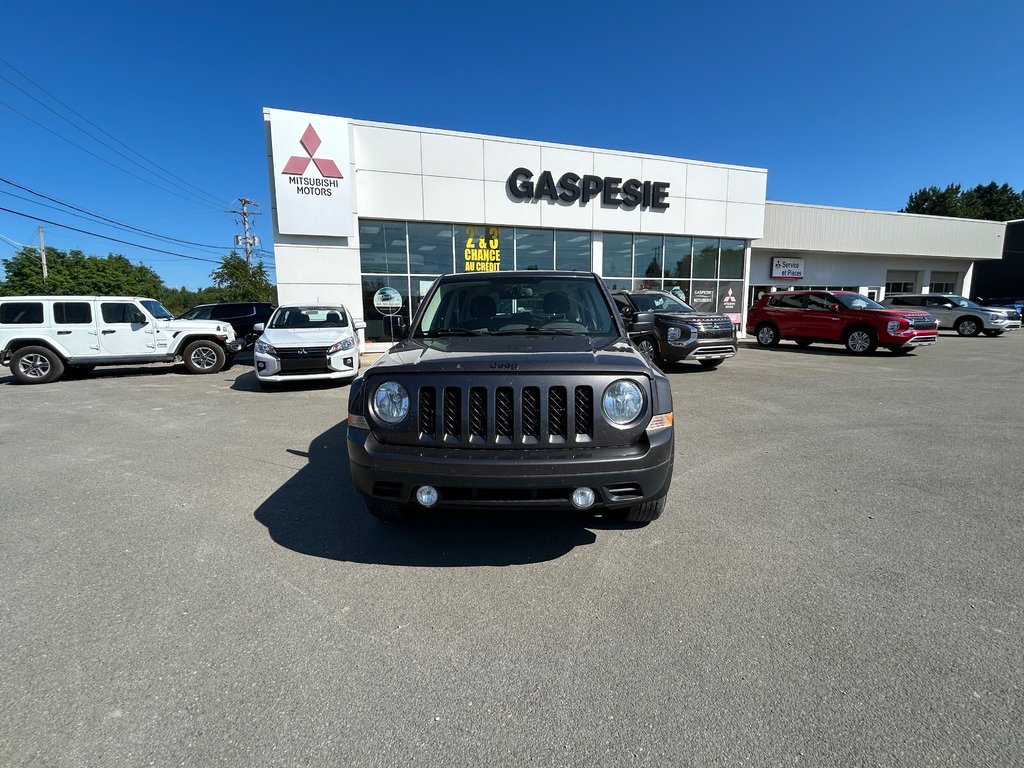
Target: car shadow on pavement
(318, 512)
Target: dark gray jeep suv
(514, 390)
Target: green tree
(237, 281)
(74, 273)
(992, 202)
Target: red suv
(839, 317)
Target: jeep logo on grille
(505, 366)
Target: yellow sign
(482, 254)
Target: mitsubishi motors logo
(310, 161)
(296, 167)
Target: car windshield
(157, 310)
(309, 317)
(659, 302)
(857, 301)
(963, 301)
(517, 305)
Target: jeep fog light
(583, 498)
(426, 495)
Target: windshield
(156, 309)
(309, 317)
(659, 302)
(857, 301)
(517, 304)
(963, 301)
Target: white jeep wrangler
(42, 337)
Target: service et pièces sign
(784, 268)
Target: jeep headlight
(263, 348)
(341, 346)
(623, 402)
(391, 402)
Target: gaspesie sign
(572, 188)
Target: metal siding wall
(790, 226)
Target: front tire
(992, 333)
(860, 341)
(36, 365)
(203, 356)
(968, 326)
(649, 350)
(645, 512)
(767, 335)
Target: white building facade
(368, 214)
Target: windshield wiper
(533, 330)
(438, 332)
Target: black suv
(680, 332)
(514, 389)
(242, 315)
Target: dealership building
(369, 214)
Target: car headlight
(391, 402)
(341, 346)
(263, 348)
(893, 326)
(622, 402)
(673, 333)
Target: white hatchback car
(305, 342)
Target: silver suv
(42, 337)
(966, 317)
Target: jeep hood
(553, 353)
(198, 326)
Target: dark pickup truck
(514, 390)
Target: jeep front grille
(505, 415)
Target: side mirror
(643, 322)
(833, 307)
(259, 328)
(359, 325)
(399, 325)
(140, 318)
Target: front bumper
(237, 345)
(340, 365)
(700, 349)
(511, 478)
(911, 340)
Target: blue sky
(854, 104)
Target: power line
(101, 130)
(193, 200)
(107, 237)
(112, 222)
(100, 141)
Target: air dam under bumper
(509, 478)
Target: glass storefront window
(382, 247)
(572, 251)
(679, 289)
(731, 266)
(481, 248)
(730, 296)
(704, 296)
(705, 257)
(385, 300)
(618, 255)
(535, 249)
(430, 248)
(677, 256)
(647, 254)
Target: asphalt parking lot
(189, 579)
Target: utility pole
(248, 240)
(42, 252)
